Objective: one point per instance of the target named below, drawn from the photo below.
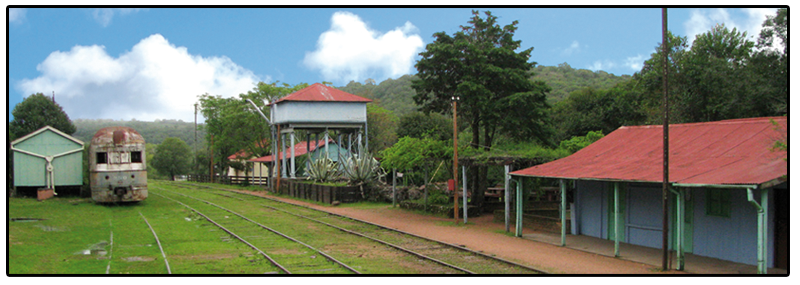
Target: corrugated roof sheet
(299, 149)
(320, 93)
(711, 153)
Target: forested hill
(153, 132)
(563, 79)
(397, 95)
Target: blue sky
(149, 64)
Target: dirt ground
(483, 235)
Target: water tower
(320, 110)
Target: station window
(102, 158)
(136, 156)
(718, 202)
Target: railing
(230, 180)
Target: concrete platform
(651, 256)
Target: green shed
(47, 158)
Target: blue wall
(732, 238)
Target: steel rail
(377, 240)
(387, 228)
(274, 231)
(169, 271)
(231, 233)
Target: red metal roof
(244, 154)
(299, 149)
(712, 153)
(321, 93)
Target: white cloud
(601, 65)
(702, 21)
(16, 15)
(574, 47)
(154, 80)
(635, 63)
(350, 50)
(104, 15)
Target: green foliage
(577, 143)
(563, 79)
(481, 66)
(38, 111)
(420, 125)
(360, 170)
(412, 153)
(393, 94)
(382, 126)
(323, 170)
(153, 132)
(592, 109)
(437, 197)
(233, 126)
(172, 157)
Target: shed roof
(321, 93)
(299, 149)
(727, 152)
(43, 129)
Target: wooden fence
(230, 180)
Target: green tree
(232, 125)
(420, 125)
(771, 61)
(481, 66)
(414, 155)
(382, 128)
(38, 111)
(172, 157)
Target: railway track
(287, 254)
(455, 258)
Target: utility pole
(665, 188)
(455, 158)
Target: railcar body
(117, 166)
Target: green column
(519, 208)
(763, 230)
(679, 225)
(563, 212)
(616, 219)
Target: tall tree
(38, 111)
(480, 65)
(173, 157)
(772, 61)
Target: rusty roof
(321, 93)
(712, 153)
(299, 149)
(117, 135)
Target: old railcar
(117, 166)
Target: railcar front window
(136, 156)
(102, 158)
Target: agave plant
(323, 170)
(360, 170)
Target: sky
(148, 64)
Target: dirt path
(486, 236)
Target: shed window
(136, 156)
(102, 158)
(718, 202)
